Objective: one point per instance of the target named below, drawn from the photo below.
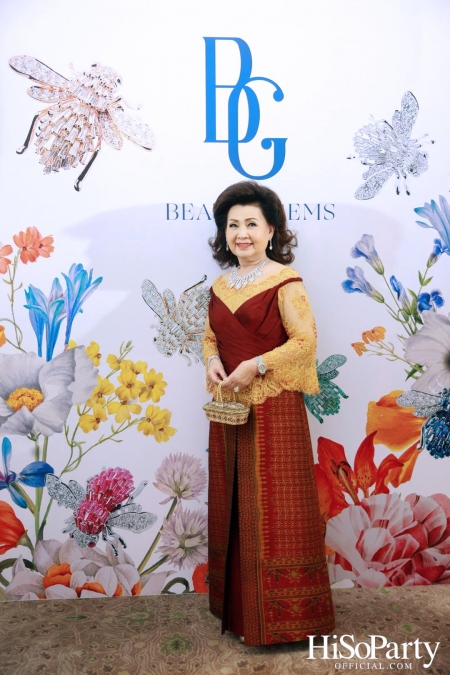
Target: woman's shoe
(241, 638)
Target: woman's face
(247, 232)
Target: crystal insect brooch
(388, 149)
(435, 432)
(81, 112)
(99, 508)
(181, 326)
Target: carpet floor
(177, 635)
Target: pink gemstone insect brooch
(84, 110)
(99, 507)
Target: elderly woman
(268, 577)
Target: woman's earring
(227, 247)
(270, 244)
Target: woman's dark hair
(249, 192)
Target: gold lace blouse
(292, 366)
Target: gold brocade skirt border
(268, 576)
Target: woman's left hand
(242, 376)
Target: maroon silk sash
(255, 327)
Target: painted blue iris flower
(438, 250)
(46, 313)
(357, 283)
(397, 287)
(79, 287)
(365, 248)
(439, 219)
(32, 475)
(433, 300)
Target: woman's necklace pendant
(235, 281)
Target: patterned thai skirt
(268, 577)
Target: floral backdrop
(103, 470)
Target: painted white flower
(66, 571)
(36, 396)
(430, 347)
(180, 476)
(184, 538)
(388, 541)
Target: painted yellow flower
(72, 344)
(103, 389)
(130, 387)
(138, 368)
(91, 422)
(359, 347)
(156, 423)
(2, 336)
(93, 351)
(154, 388)
(113, 361)
(122, 410)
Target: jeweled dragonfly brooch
(99, 508)
(84, 111)
(388, 149)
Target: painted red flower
(336, 478)
(11, 528)
(200, 578)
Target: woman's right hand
(216, 373)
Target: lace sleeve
(293, 365)
(209, 343)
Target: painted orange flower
(28, 243)
(337, 478)
(396, 426)
(4, 262)
(33, 245)
(200, 578)
(2, 336)
(11, 528)
(359, 347)
(45, 247)
(374, 335)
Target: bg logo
(233, 140)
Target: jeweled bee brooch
(99, 507)
(84, 110)
(388, 150)
(181, 326)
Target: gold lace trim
(234, 298)
(209, 343)
(301, 304)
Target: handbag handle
(219, 390)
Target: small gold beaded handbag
(226, 412)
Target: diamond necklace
(234, 280)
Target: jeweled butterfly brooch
(83, 111)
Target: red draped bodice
(253, 329)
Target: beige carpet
(176, 634)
